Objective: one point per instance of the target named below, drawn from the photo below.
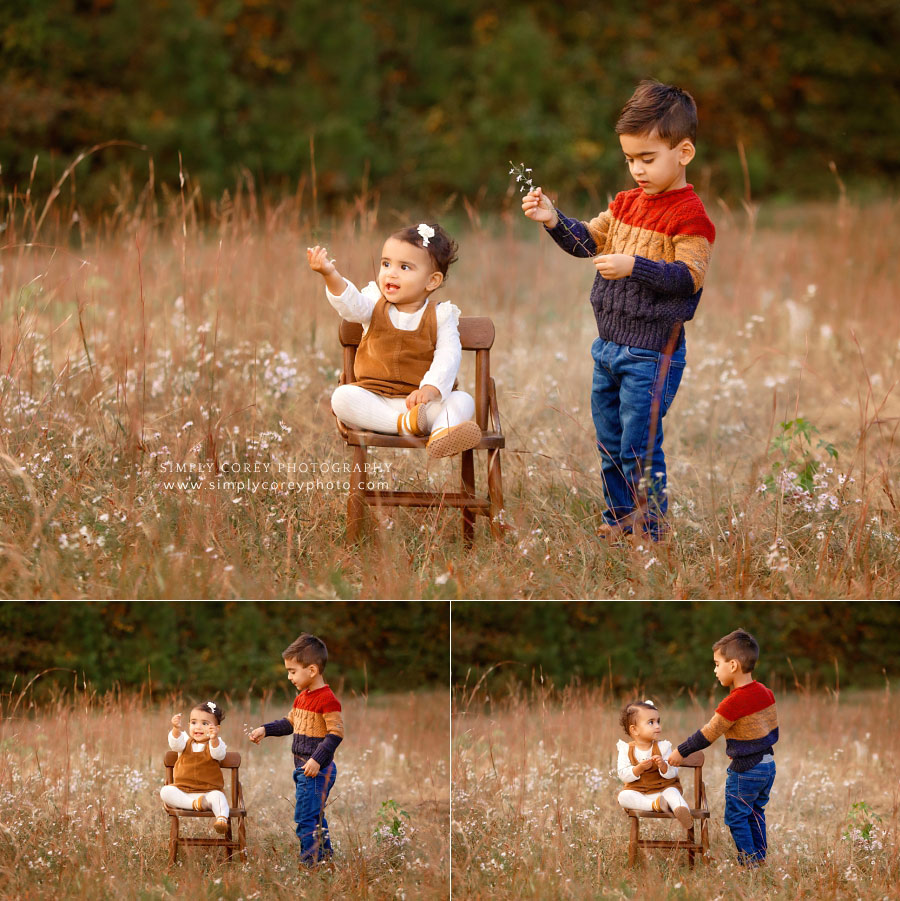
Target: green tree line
(666, 646)
(227, 647)
(425, 101)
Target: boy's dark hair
(630, 712)
(739, 645)
(307, 650)
(441, 247)
(660, 108)
(211, 707)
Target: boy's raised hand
(318, 260)
(536, 205)
(257, 735)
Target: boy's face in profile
(654, 165)
(299, 675)
(725, 669)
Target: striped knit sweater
(316, 724)
(749, 722)
(670, 237)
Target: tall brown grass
(535, 812)
(174, 330)
(80, 814)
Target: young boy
(318, 728)
(748, 720)
(651, 249)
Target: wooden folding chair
(476, 333)
(231, 761)
(700, 811)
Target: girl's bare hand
(176, 722)
(318, 260)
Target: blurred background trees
(213, 647)
(666, 646)
(425, 101)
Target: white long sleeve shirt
(357, 306)
(179, 744)
(626, 767)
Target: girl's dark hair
(441, 247)
(211, 707)
(630, 712)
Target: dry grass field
(80, 814)
(535, 812)
(145, 341)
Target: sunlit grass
(142, 342)
(80, 814)
(535, 812)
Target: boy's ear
(686, 152)
(434, 282)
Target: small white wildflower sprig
(525, 180)
(523, 176)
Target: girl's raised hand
(212, 731)
(318, 260)
(176, 722)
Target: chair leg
(229, 848)
(693, 840)
(242, 838)
(704, 837)
(356, 503)
(495, 489)
(173, 840)
(468, 487)
(633, 841)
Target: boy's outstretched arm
(701, 739)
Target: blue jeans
(631, 392)
(746, 796)
(309, 813)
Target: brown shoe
(612, 534)
(454, 440)
(221, 825)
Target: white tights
(362, 409)
(175, 797)
(638, 801)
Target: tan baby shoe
(454, 440)
(221, 825)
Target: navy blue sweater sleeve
(664, 278)
(572, 235)
(696, 742)
(325, 752)
(279, 727)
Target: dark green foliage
(667, 646)
(428, 100)
(219, 646)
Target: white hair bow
(426, 232)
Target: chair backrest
(231, 761)
(695, 761)
(476, 333)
